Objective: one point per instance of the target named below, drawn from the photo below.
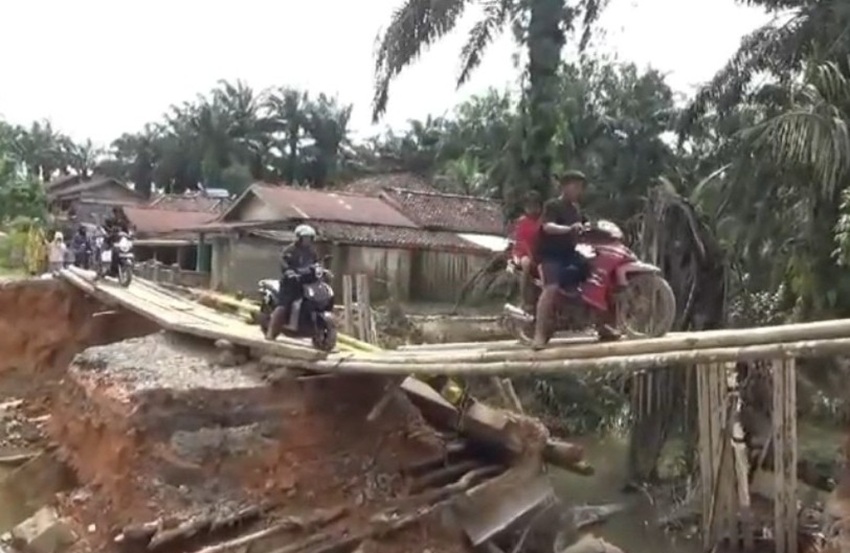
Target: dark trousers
(568, 270)
(290, 290)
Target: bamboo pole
(823, 330)
(808, 348)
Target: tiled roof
(305, 204)
(378, 235)
(148, 221)
(63, 181)
(374, 185)
(59, 191)
(436, 210)
(194, 202)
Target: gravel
(211, 443)
(164, 361)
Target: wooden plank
(148, 304)
(348, 305)
(705, 462)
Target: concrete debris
(44, 532)
(157, 362)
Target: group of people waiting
(545, 239)
(79, 253)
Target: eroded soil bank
(170, 448)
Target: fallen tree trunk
(622, 363)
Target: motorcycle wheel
(324, 337)
(646, 308)
(125, 275)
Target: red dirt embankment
(158, 432)
(43, 324)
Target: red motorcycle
(621, 291)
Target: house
(479, 220)
(75, 200)
(375, 185)
(163, 235)
(362, 234)
(65, 193)
(201, 201)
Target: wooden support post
(348, 305)
(785, 454)
(746, 527)
(364, 309)
(719, 520)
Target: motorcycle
(620, 288)
(309, 316)
(103, 256)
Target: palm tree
(804, 32)
(541, 25)
(287, 117)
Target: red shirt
(526, 231)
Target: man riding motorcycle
(115, 224)
(295, 260)
(561, 265)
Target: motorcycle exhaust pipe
(515, 312)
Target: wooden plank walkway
(178, 314)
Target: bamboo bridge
(722, 457)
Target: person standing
(56, 252)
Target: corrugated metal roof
(300, 203)
(377, 235)
(149, 221)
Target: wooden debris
(387, 522)
(156, 536)
(289, 524)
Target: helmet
(305, 230)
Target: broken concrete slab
(44, 532)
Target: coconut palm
(541, 25)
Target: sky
(98, 68)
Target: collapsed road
(147, 440)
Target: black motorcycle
(309, 316)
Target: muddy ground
(165, 444)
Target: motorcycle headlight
(124, 245)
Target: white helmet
(305, 230)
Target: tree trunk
(545, 41)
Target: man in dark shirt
(561, 265)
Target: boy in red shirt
(526, 229)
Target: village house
(74, 199)
(360, 233)
(161, 235)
